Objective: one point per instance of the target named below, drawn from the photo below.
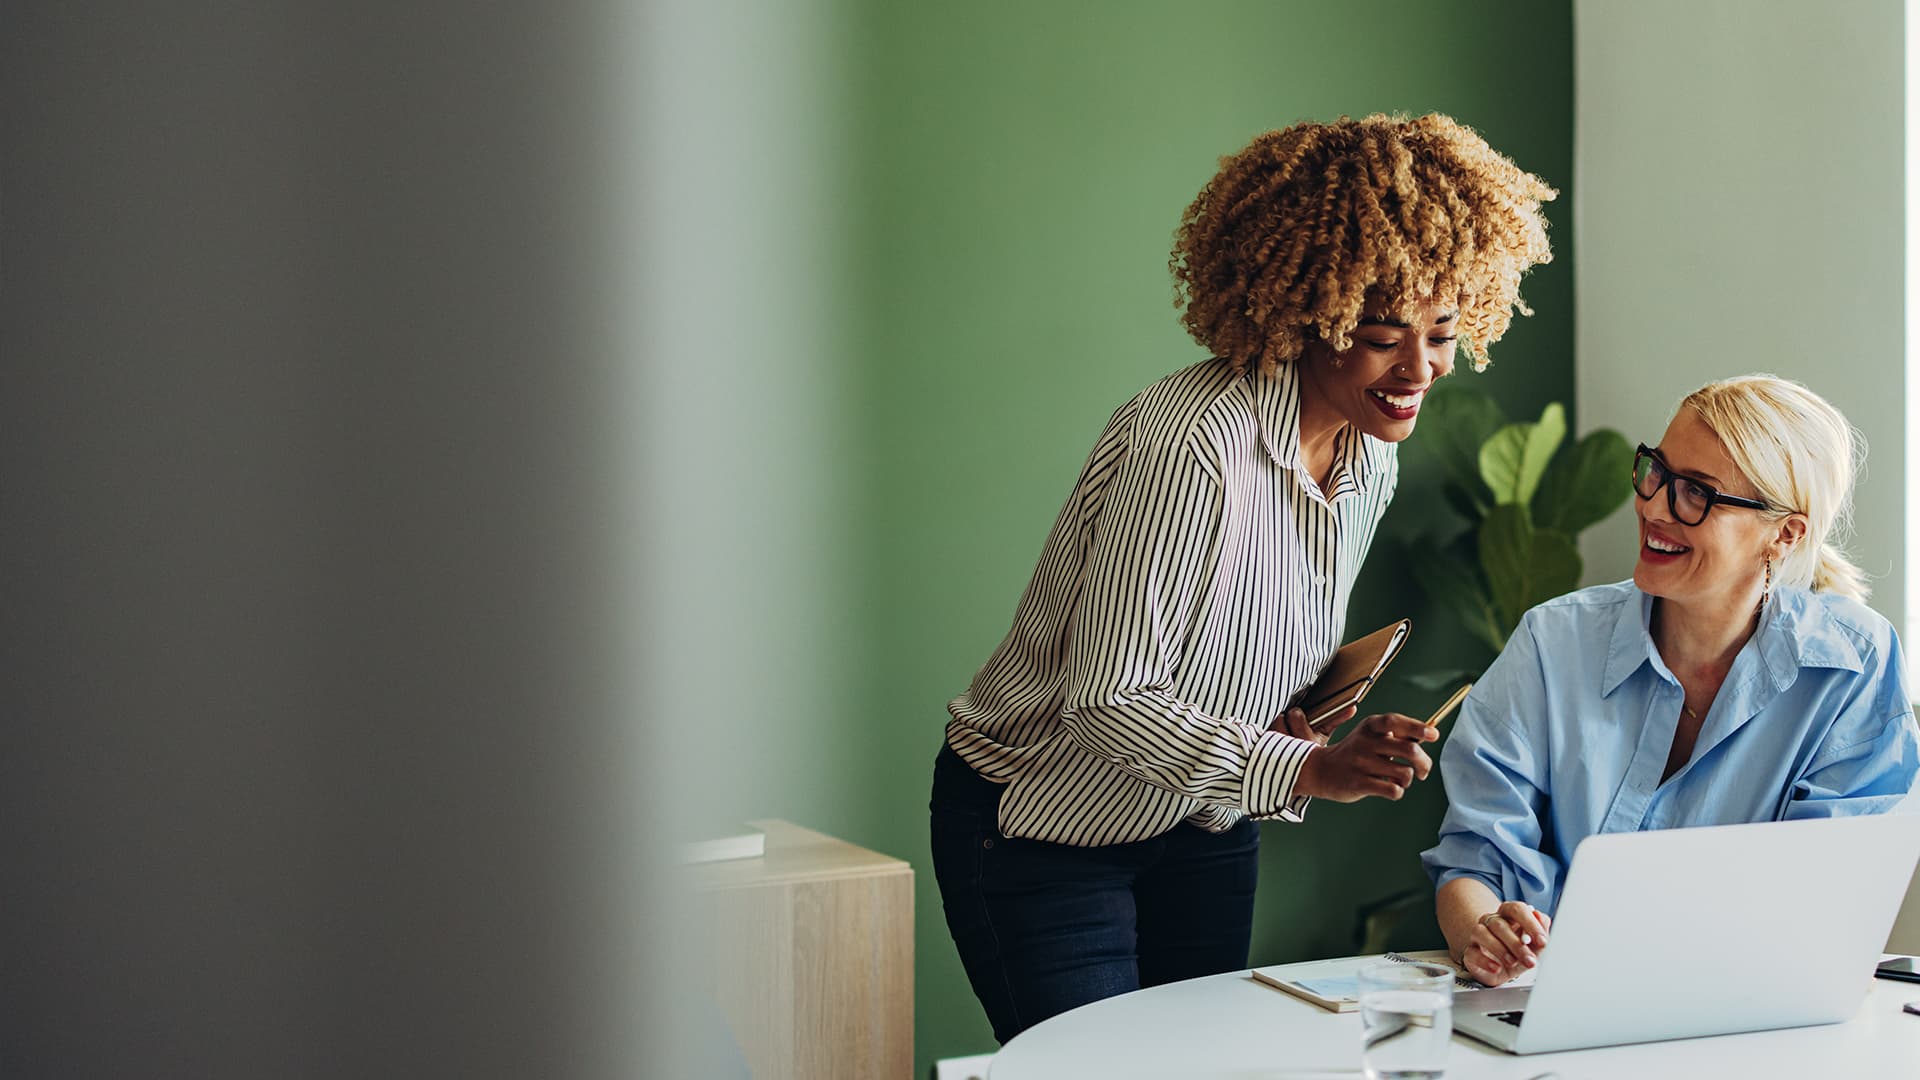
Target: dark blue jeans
(1043, 927)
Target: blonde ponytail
(1834, 573)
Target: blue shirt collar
(1795, 631)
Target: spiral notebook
(1335, 984)
(1352, 672)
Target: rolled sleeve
(1871, 776)
(1495, 775)
(1871, 754)
(1271, 777)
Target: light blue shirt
(1568, 732)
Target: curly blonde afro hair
(1300, 231)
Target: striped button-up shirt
(1195, 581)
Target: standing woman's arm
(1151, 558)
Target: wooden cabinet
(810, 951)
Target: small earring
(1766, 589)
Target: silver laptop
(1685, 932)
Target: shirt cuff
(1455, 873)
(1271, 774)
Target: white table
(1229, 1027)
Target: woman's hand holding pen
(1506, 942)
(1380, 757)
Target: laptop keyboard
(1510, 1017)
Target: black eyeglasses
(1689, 499)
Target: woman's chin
(1390, 431)
(1651, 579)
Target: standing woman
(1093, 807)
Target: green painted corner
(1012, 177)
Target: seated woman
(1736, 678)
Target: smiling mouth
(1663, 547)
(1399, 406)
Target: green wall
(1013, 178)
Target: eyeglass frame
(1715, 497)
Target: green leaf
(1524, 565)
(1506, 545)
(1556, 567)
(1454, 423)
(1585, 482)
(1451, 579)
(1512, 461)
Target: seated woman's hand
(1506, 942)
(1380, 757)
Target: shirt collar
(1276, 409)
(1804, 632)
(1631, 645)
(1796, 630)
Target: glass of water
(1406, 1014)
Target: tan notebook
(1353, 671)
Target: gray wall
(1740, 170)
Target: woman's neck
(1702, 637)
(1320, 428)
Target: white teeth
(1663, 546)
(1399, 401)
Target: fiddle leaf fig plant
(1525, 493)
(1512, 461)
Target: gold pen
(1451, 704)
